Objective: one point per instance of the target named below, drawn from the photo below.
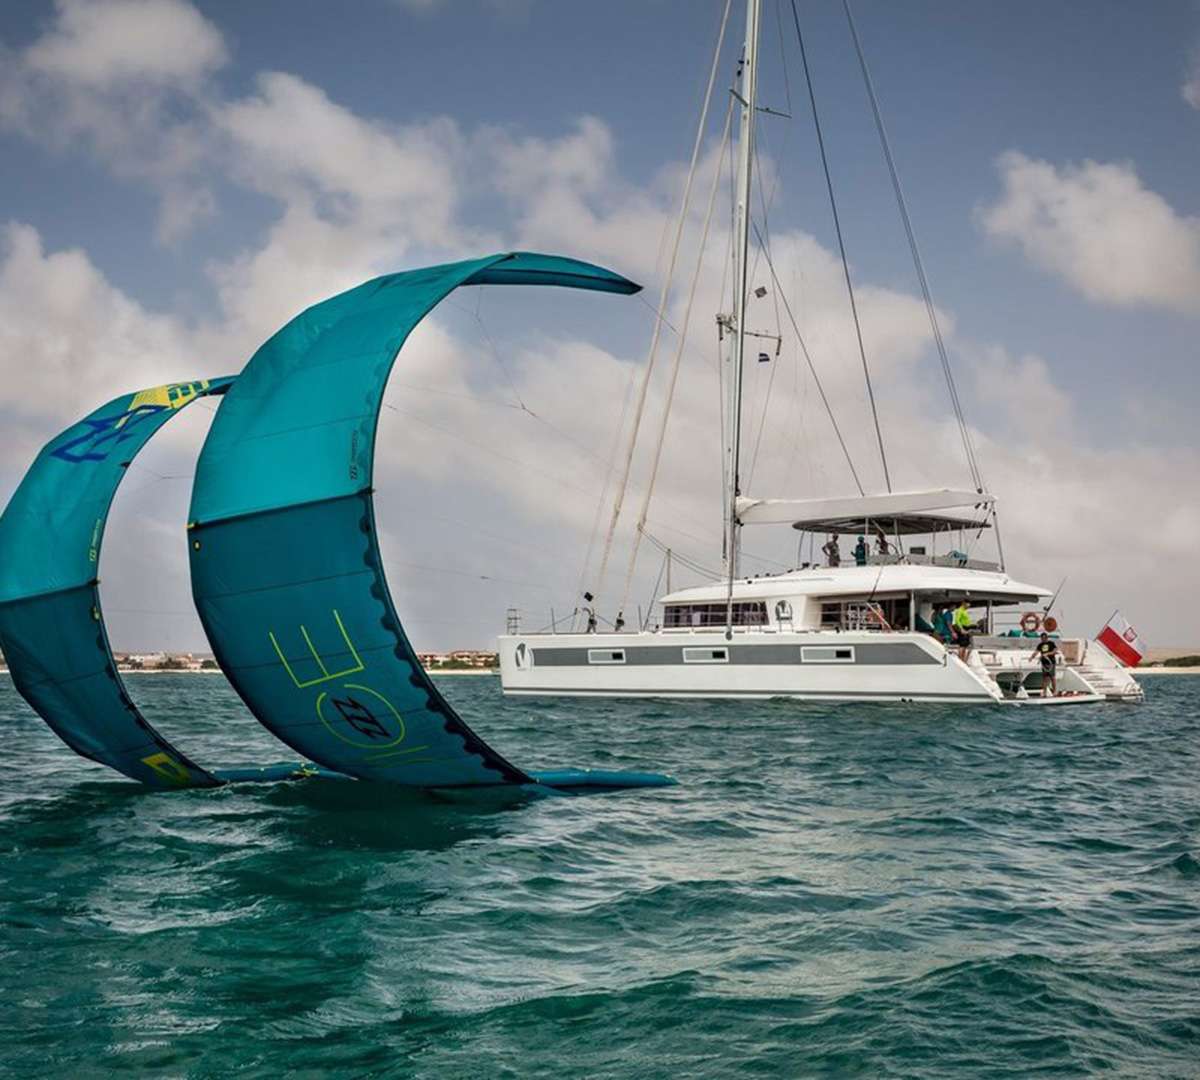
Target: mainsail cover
(51, 627)
(286, 570)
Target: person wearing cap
(1046, 651)
(860, 552)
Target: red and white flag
(1122, 640)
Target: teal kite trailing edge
(286, 570)
(51, 627)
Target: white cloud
(1100, 229)
(128, 81)
(292, 140)
(69, 339)
(100, 43)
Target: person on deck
(1047, 652)
(882, 547)
(832, 552)
(860, 552)
(962, 630)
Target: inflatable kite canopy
(51, 626)
(286, 571)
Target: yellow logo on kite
(170, 770)
(172, 396)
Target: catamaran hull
(815, 666)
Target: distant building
(458, 660)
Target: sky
(180, 178)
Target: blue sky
(179, 178)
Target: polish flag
(1122, 640)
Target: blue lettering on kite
(105, 435)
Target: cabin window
(865, 613)
(745, 613)
(827, 654)
(606, 656)
(706, 656)
(523, 656)
(783, 611)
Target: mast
(741, 263)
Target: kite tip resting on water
(286, 571)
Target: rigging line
(461, 397)
(524, 545)
(608, 477)
(522, 408)
(518, 406)
(145, 468)
(654, 594)
(778, 330)
(918, 262)
(683, 560)
(659, 314)
(684, 205)
(471, 574)
(656, 461)
(783, 65)
(675, 529)
(488, 450)
(701, 540)
(813, 371)
(493, 454)
(837, 226)
(492, 345)
(767, 201)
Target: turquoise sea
(830, 891)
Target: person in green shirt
(860, 552)
(962, 630)
(1047, 652)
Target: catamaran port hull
(895, 667)
(814, 665)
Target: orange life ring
(1050, 623)
(1031, 621)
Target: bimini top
(51, 627)
(933, 582)
(286, 570)
(899, 513)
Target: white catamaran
(860, 627)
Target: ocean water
(830, 891)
